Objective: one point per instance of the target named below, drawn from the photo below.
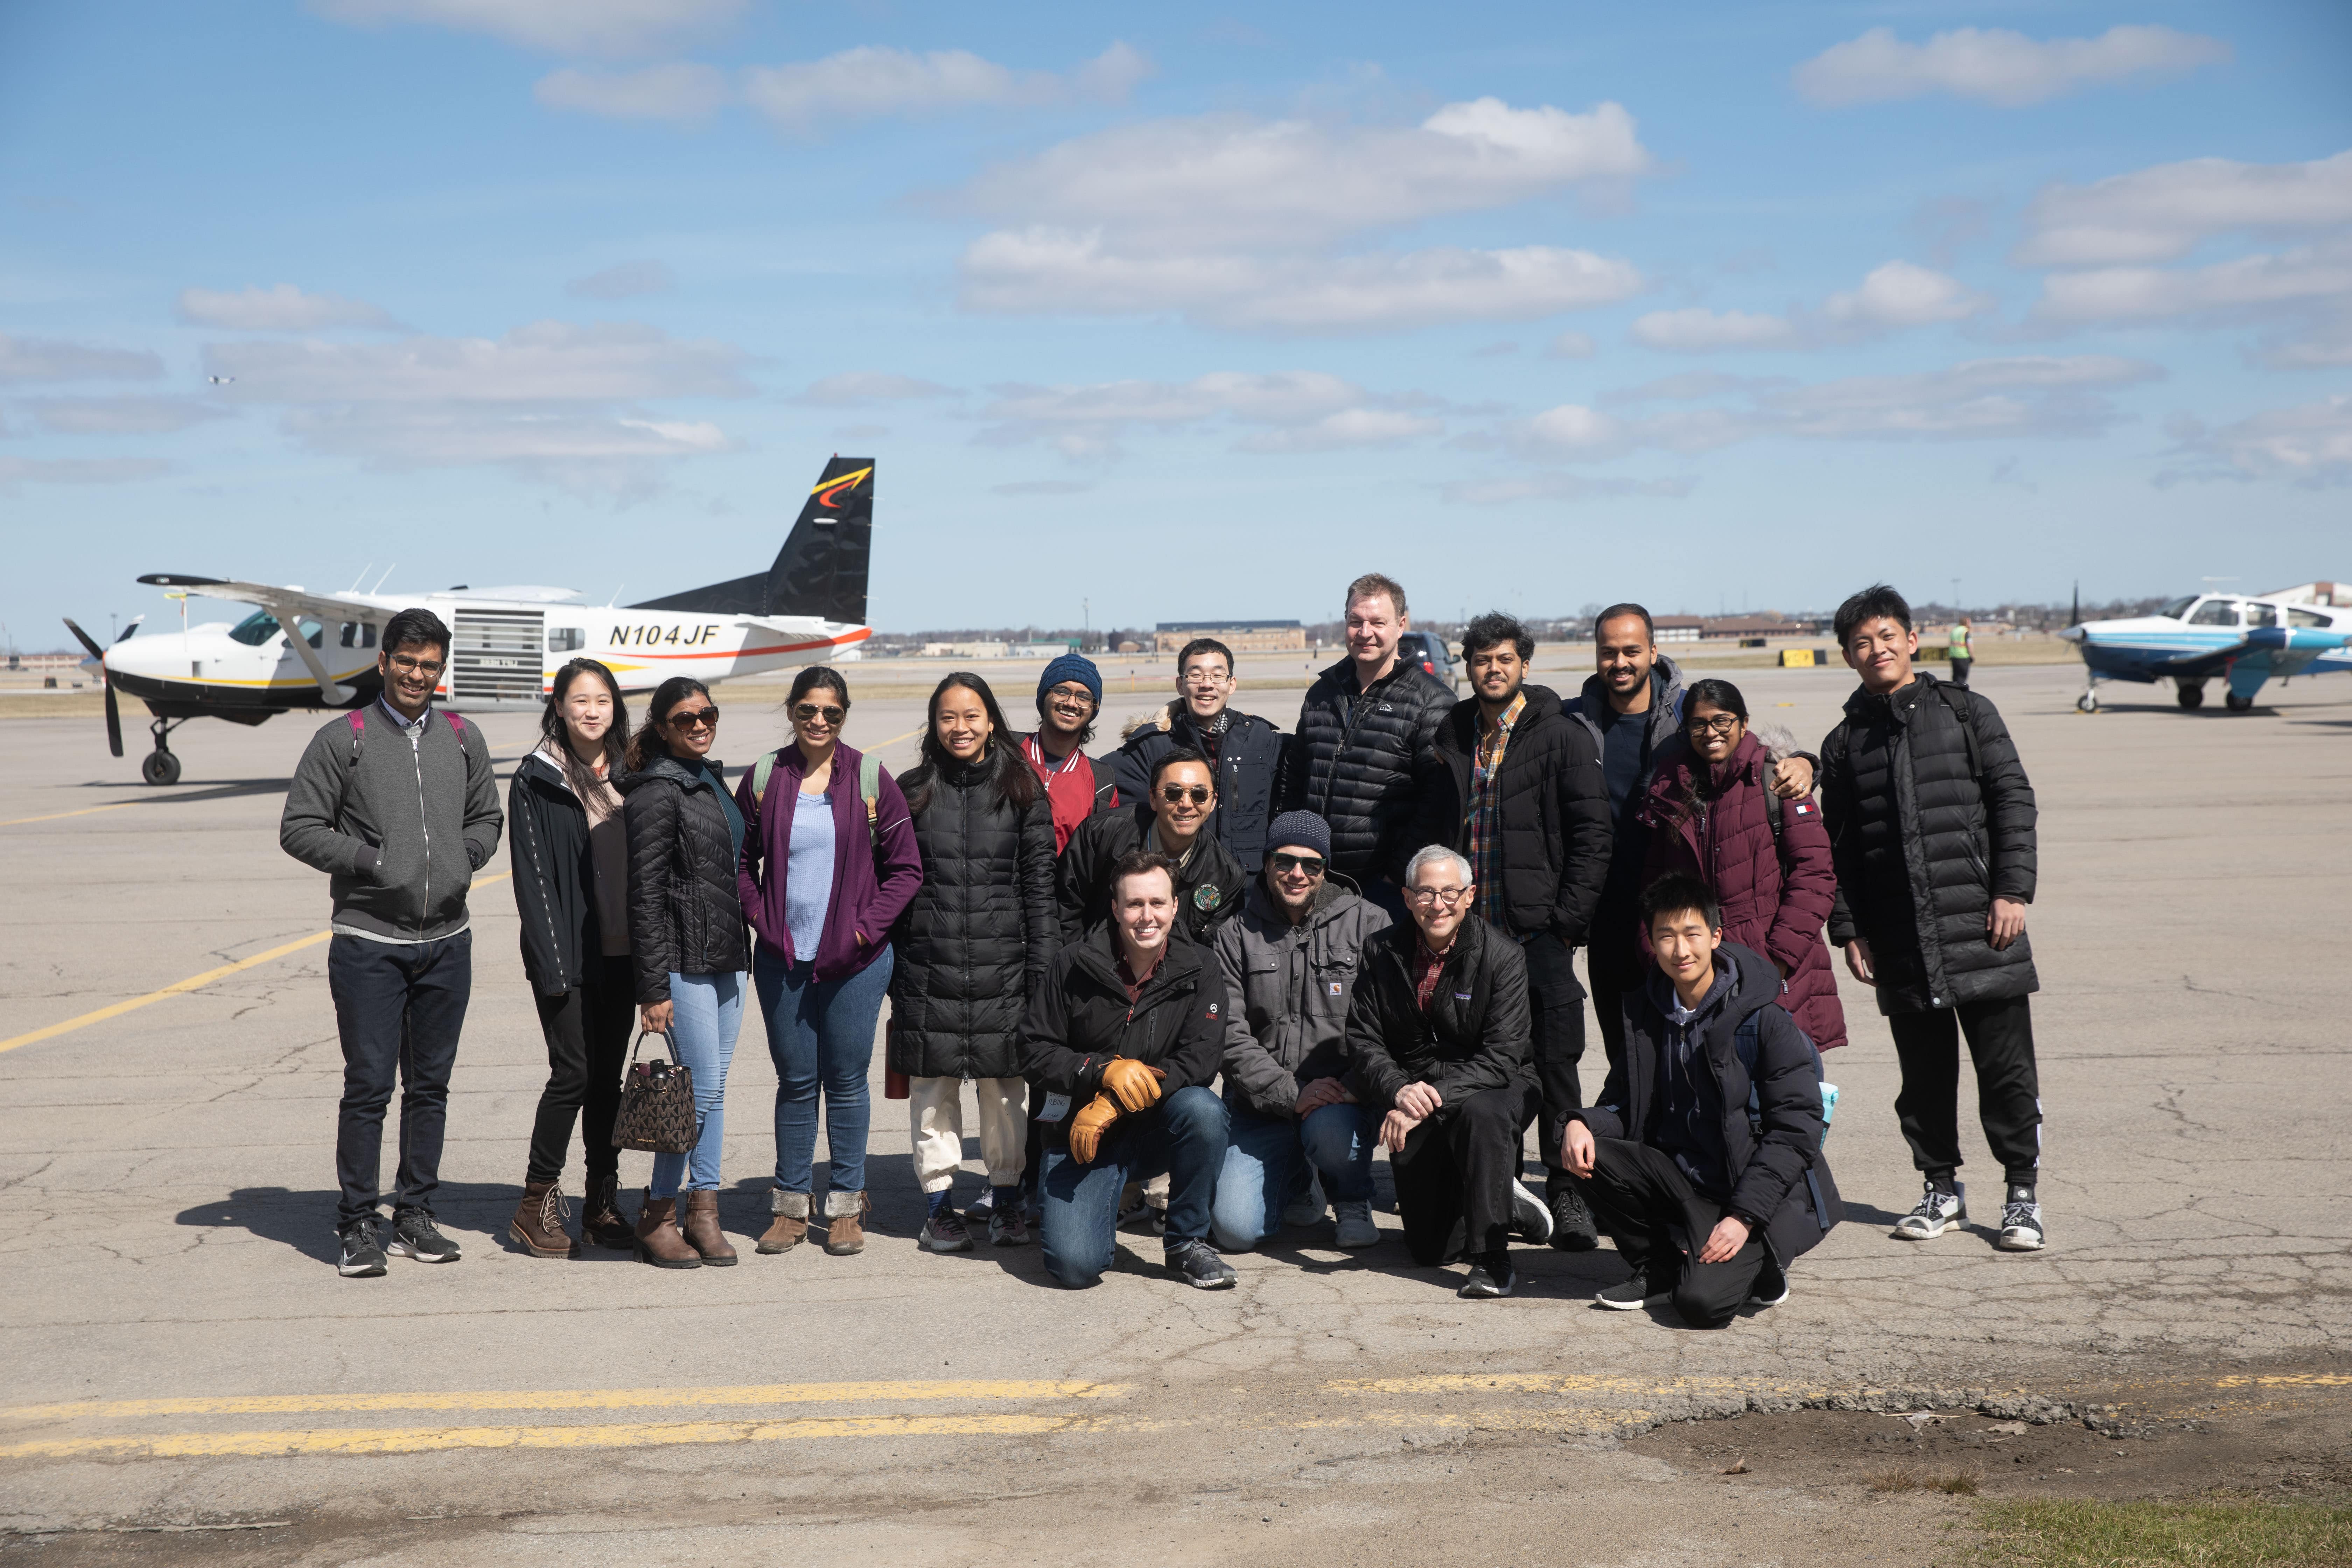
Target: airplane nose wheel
(2237, 704)
(160, 766)
(2088, 703)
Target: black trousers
(2009, 1090)
(399, 1009)
(587, 1030)
(1652, 1213)
(1608, 1006)
(1459, 1163)
(1961, 672)
(1555, 1008)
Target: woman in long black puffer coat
(971, 949)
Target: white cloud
(609, 28)
(1293, 411)
(2310, 446)
(1997, 66)
(120, 416)
(679, 91)
(282, 309)
(2163, 212)
(1900, 294)
(80, 470)
(625, 280)
(1892, 296)
(1571, 346)
(873, 81)
(54, 359)
(858, 388)
(1349, 428)
(1697, 330)
(2295, 277)
(1504, 491)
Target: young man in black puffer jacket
(1932, 821)
(1244, 750)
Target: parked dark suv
(1429, 652)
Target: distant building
(1242, 636)
(998, 650)
(1676, 629)
(1764, 625)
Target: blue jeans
(1183, 1135)
(1267, 1161)
(820, 1033)
(707, 1016)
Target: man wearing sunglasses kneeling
(1123, 1037)
(1289, 962)
(1174, 822)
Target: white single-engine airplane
(508, 641)
(2245, 639)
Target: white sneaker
(1308, 1207)
(1530, 1215)
(1356, 1226)
(2021, 1222)
(1937, 1212)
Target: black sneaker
(1530, 1215)
(1771, 1286)
(1629, 1295)
(1197, 1264)
(1491, 1279)
(412, 1235)
(361, 1257)
(1572, 1229)
(2021, 1222)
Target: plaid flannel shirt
(1484, 816)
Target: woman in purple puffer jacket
(1706, 811)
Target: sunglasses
(1175, 794)
(697, 719)
(1311, 864)
(808, 711)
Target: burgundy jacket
(867, 900)
(1727, 843)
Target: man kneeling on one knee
(1704, 1150)
(1122, 1040)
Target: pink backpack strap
(358, 717)
(455, 723)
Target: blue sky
(1183, 317)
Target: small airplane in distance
(508, 643)
(2244, 639)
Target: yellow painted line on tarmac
(1564, 1383)
(572, 1398)
(193, 983)
(2286, 1380)
(85, 811)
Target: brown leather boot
(658, 1242)
(601, 1219)
(789, 1227)
(845, 1223)
(703, 1233)
(538, 1223)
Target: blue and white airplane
(2242, 639)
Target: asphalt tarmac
(180, 1352)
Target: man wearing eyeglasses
(397, 804)
(1290, 961)
(1437, 1037)
(1174, 821)
(1244, 750)
(1069, 695)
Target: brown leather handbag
(656, 1113)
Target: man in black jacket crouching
(1438, 1037)
(1703, 1152)
(1123, 1038)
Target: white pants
(935, 1110)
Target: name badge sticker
(1056, 1107)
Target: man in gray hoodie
(398, 806)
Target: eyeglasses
(1071, 694)
(699, 718)
(1722, 724)
(1450, 896)
(407, 666)
(1311, 864)
(1176, 795)
(808, 711)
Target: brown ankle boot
(845, 1223)
(601, 1219)
(538, 1223)
(703, 1233)
(658, 1242)
(789, 1227)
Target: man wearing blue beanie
(1069, 695)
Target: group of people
(1193, 983)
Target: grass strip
(2084, 1534)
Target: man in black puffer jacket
(1244, 750)
(1364, 749)
(1209, 882)
(1932, 819)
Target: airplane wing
(288, 605)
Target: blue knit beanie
(1301, 830)
(1071, 666)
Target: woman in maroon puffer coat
(1707, 797)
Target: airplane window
(2295, 617)
(566, 639)
(255, 629)
(312, 632)
(2261, 615)
(2215, 613)
(350, 637)
(2178, 608)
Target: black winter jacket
(1209, 885)
(1923, 846)
(974, 945)
(1781, 1179)
(1362, 763)
(1475, 1036)
(1249, 768)
(1081, 1018)
(554, 877)
(1556, 832)
(685, 916)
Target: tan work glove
(1089, 1125)
(1133, 1085)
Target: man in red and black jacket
(1069, 695)
(1123, 1040)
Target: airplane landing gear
(160, 766)
(2089, 701)
(2237, 704)
(2192, 695)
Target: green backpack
(869, 784)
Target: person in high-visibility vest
(1961, 657)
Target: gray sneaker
(1937, 1212)
(945, 1232)
(1308, 1207)
(1356, 1228)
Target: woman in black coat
(970, 948)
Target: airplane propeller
(113, 713)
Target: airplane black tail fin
(821, 570)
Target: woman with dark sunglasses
(685, 933)
(829, 864)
